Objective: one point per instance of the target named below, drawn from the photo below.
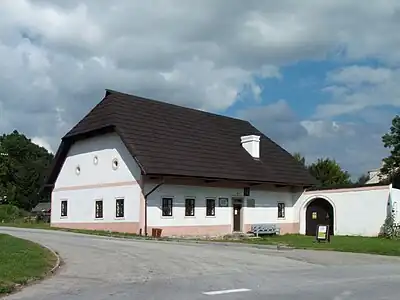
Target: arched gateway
(319, 212)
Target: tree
(391, 141)
(300, 158)
(328, 172)
(362, 179)
(22, 169)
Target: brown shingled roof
(167, 139)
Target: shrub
(10, 213)
(390, 229)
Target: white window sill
(211, 216)
(99, 219)
(119, 218)
(190, 217)
(64, 217)
(167, 217)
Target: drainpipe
(145, 205)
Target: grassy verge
(22, 261)
(356, 244)
(21, 224)
(84, 231)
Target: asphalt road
(98, 268)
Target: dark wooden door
(319, 212)
(236, 217)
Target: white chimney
(252, 145)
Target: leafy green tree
(391, 141)
(328, 172)
(300, 158)
(22, 170)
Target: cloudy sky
(319, 77)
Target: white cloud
(58, 56)
(42, 143)
(357, 75)
(356, 146)
(356, 87)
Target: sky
(318, 77)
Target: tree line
(329, 173)
(24, 165)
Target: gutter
(145, 204)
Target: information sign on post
(323, 233)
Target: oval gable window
(78, 170)
(115, 164)
(95, 160)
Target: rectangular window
(281, 210)
(167, 207)
(119, 208)
(210, 207)
(189, 207)
(64, 208)
(99, 209)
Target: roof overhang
(242, 181)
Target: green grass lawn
(356, 244)
(22, 261)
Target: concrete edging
(58, 262)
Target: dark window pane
(167, 207)
(281, 210)
(99, 209)
(189, 207)
(120, 208)
(64, 208)
(210, 209)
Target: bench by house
(266, 229)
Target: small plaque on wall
(251, 203)
(223, 202)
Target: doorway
(237, 220)
(319, 212)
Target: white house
(134, 164)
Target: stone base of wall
(177, 231)
(198, 231)
(125, 227)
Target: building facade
(100, 187)
(133, 164)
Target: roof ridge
(109, 91)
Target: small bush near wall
(390, 229)
(10, 213)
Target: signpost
(322, 233)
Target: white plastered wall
(358, 211)
(97, 182)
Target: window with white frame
(64, 208)
(119, 209)
(167, 203)
(281, 210)
(189, 207)
(99, 209)
(210, 207)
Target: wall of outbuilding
(357, 211)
